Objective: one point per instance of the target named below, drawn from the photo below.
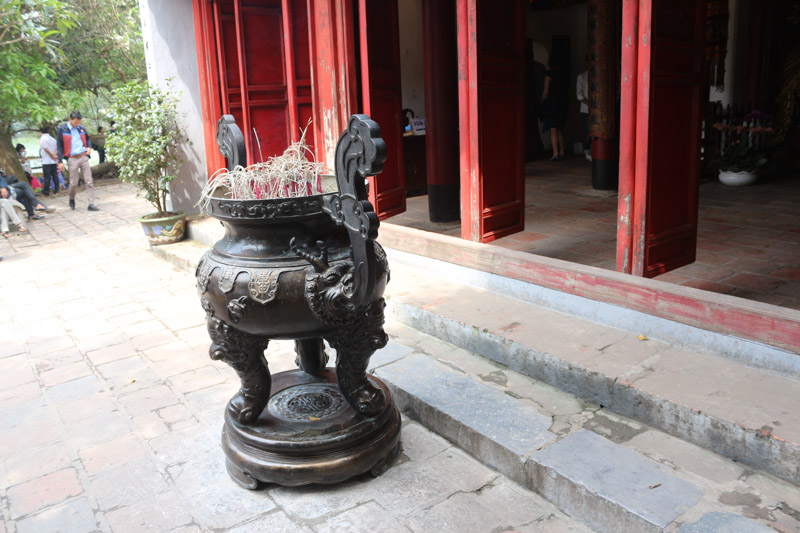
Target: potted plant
(740, 154)
(147, 152)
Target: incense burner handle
(231, 142)
(360, 153)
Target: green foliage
(27, 87)
(59, 55)
(105, 48)
(33, 22)
(28, 48)
(147, 147)
(739, 156)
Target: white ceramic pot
(737, 179)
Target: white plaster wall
(572, 21)
(411, 60)
(170, 52)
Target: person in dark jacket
(75, 146)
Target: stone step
(751, 415)
(612, 473)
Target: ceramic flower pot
(737, 179)
(164, 230)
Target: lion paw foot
(246, 409)
(367, 399)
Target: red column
(209, 82)
(602, 91)
(333, 68)
(627, 135)
(470, 170)
(441, 108)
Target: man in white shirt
(582, 91)
(48, 149)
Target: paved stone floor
(111, 410)
(748, 237)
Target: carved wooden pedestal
(309, 433)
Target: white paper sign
(418, 125)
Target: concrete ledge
(184, 255)
(596, 294)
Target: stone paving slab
(514, 429)
(133, 445)
(625, 486)
(724, 523)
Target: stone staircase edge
(728, 438)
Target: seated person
(23, 160)
(7, 212)
(23, 193)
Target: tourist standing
(555, 99)
(582, 92)
(74, 146)
(99, 142)
(49, 150)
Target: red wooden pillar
(209, 81)
(602, 93)
(333, 71)
(468, 117)
(627, 139)
(441, 108)
(757, 63)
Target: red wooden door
(491, 51)
(380, 78)
(663, 188)
(265, 71)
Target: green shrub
(147, 145)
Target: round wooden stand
(309, 433)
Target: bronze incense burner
(305, 269)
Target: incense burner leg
(311, 356)
(245, 354)
(355, 343)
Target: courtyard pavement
(111, 410)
